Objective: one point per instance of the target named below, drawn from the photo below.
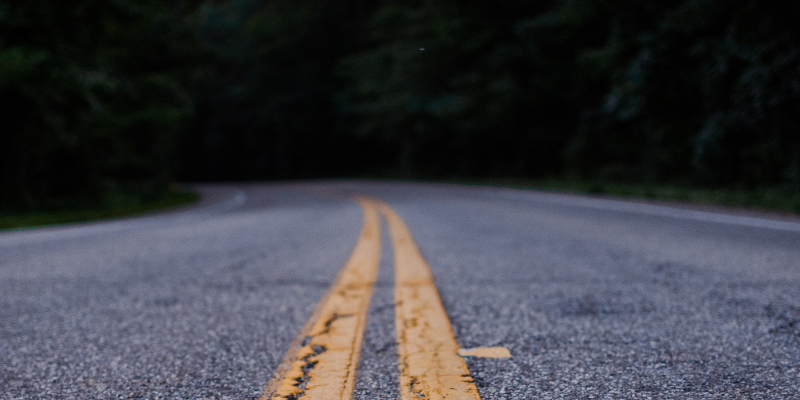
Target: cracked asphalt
(595, 298)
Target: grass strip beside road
(173, 199)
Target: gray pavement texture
(595, 298)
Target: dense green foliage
(102, 100)
(268, 107)
(702, 91)
(92, 95)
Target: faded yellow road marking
(485, 352)
(322, 361)
(430, 367)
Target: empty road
(384, 290)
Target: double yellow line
(321, 362)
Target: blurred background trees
(103, 101)
(92, 96)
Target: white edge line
(650, 209)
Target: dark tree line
(92, 95)
(122, 97)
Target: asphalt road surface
(593, 298)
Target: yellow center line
(486, 352)
(430, 367)
(321, 362)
